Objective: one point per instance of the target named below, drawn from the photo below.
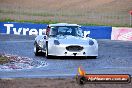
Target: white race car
(65, 39)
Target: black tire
(36, 49)
(46, 53)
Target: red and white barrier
(121, 33)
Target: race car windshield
(66, 30)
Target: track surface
(114, 57)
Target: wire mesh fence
(66, 11)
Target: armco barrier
(97, 32)
(121, 33)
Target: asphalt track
(115, 57)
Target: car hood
(72, 40)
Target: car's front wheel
(36, 49)
(46, 52)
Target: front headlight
(41, 43)
(91, 42)
(56, 42)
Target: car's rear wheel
(46, 52)
(36, 49)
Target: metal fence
(79, 16)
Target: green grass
(52, 22)
(30, 21)
(3, 60)
(113, 25)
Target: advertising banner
(97, 32)
(22, 28)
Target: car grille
(74, 48)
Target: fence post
(130, 12)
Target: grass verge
(3, 60)
(52, 22)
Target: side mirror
(86, 34)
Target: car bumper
(60, 50)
